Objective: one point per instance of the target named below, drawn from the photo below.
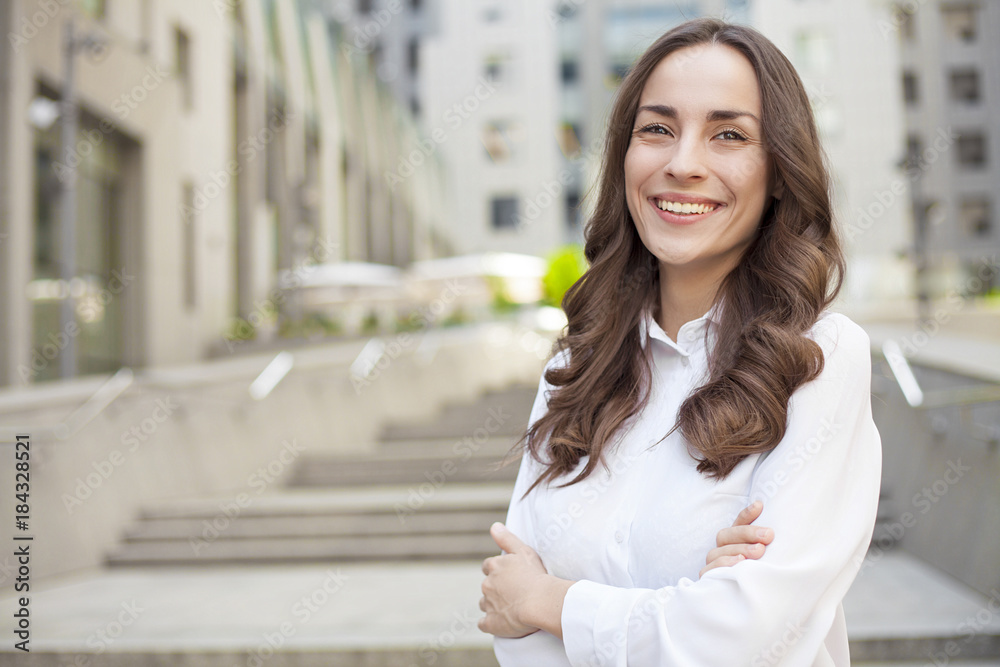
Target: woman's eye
(655, 129)
(732, 135)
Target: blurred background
(279, 278)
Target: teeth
(686, 208)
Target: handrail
(115, 386)
(105, 395)
(272, 374)
(916, 397)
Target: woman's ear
(775, 180)
(779, 188)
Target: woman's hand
(740, 541)
(518, 588)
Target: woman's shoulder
(559, 360)
(842, 340)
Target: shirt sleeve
(820, 489)
(519, 519)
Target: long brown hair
(789, 274)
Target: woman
(700, 371)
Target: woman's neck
(684, 296)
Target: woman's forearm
(544, 608)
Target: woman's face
(697, 151)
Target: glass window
(573, 213)
(569, 139)
(914, 149)
(911, 88)
(182, 65)
(413, 56)
(567, 9)
(492, 11)
(975, 216)
(903, 19)
(960, 21)
(629, 29)
(569, 72)
(503, 140)
(189, 265)
(496, 67)
(981, 277)
(618, 72)
(504, 212)
(964, 84)
(972, 149)
(101, 275)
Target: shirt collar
(650, 328)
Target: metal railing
(116, 385)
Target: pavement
(402, 614)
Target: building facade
(950, 86)
(218, 144)
(849, 70)
(489, 84)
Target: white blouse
(635, 535)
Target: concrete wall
(193, 431)
(940, 473)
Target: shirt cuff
(593, 620)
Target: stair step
(497, 446)
(401, 522)
(299, 657)
(296, 526)
(503, 413)
(341, 471)
(306, 549)
(453, 428)
(900, 608)
(321, 502)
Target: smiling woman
(700, 371)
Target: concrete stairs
(428, 491)
(374, 560)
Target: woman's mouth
(683, 212)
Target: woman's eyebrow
(711, 117)
(729, 114)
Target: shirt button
(619, 536)
(690, 336)
(685, 362)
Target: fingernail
(740, 557)
(499, 526)
(763, 533)
(756, 504)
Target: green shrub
(566, 265)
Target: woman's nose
(686, 160)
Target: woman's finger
(744, 535)
(749, 551)
(725, 561)
(749, 514)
